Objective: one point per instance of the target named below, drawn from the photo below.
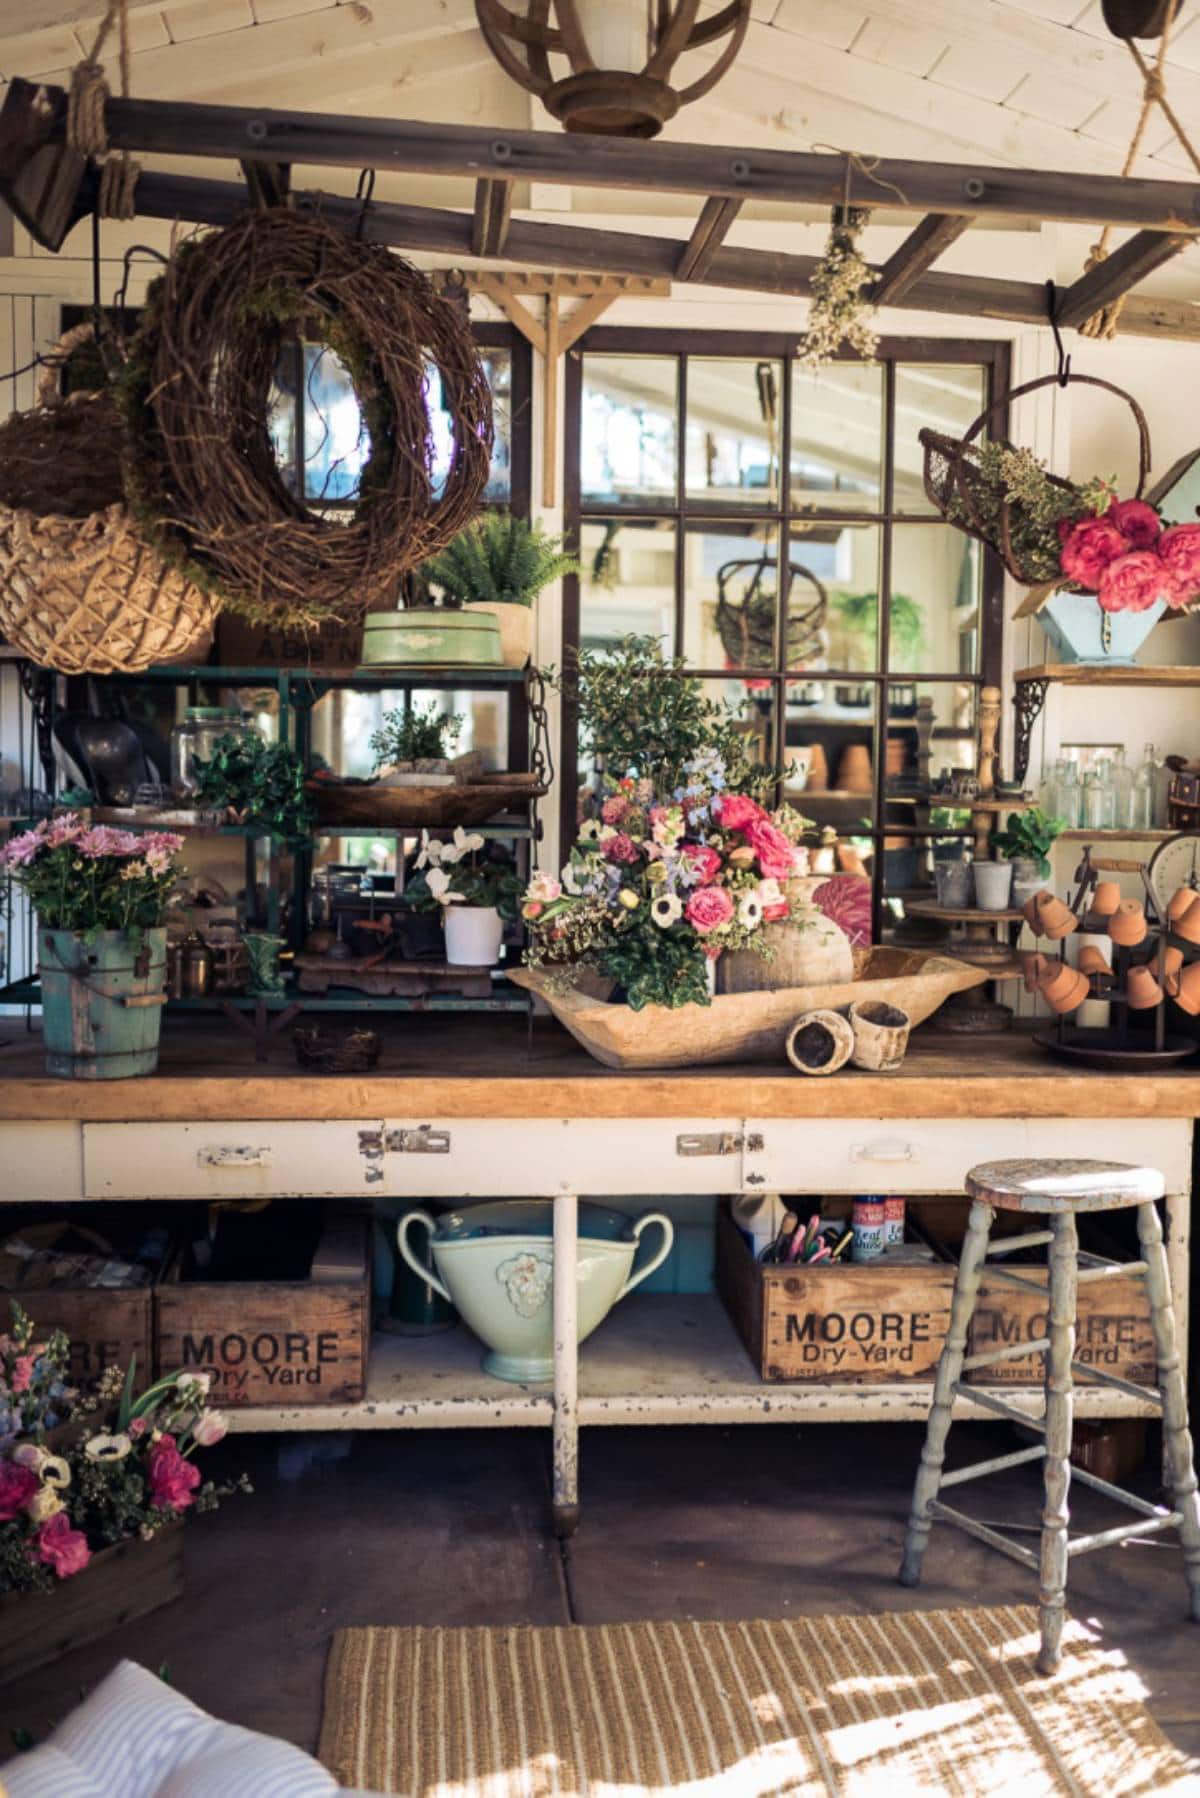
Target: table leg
(566, 1360)
(1178, 1453)
(1056, 1512)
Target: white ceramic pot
(473, 935)
(993, 884)
(495, 1264)
(516, 628)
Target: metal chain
(541, 756)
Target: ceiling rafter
(707, 237)
(919, 251)
(1122, 269)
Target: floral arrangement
(657, 888)
(840, 312)
(89, 878)
(1129, 560)
(58, 1508)
(464, 871)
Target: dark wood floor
(451, 1528)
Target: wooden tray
(745, 1026)
(421, 808)
(390, 979)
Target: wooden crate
(108, 1326)
(120, 1583)
(1112, 1329)
(277, 1342)
(868, 1325)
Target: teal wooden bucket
(102, 1002)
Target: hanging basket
(202, 473)
(959, 490)
(81, 591)
(747, 625)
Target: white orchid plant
(464, 871)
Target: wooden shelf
(1114, 836)
(967, 914)
(1090, 674)
(655, 1360)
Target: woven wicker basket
(87, 595)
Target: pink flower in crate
(172, 1479)
(17, 1486)
(1137, 521)
(137, 1427)
(704, 862)
(1179, 550)
(210, 1428)
(1133, 582)
(1091, 546)
(776, 857)
(736, 812)
(61, 1547)
(22, 1374)
(708, 908)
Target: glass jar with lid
(195, 739)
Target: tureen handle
(655, 1261)
(425, 1274)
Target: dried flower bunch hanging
(202, 473)
(841, 313)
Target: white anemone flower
(589, 831)
(666, 910)
(55, 1471)
(107, 1448)
(750, 911)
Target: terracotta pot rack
(50, 188)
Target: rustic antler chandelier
(620, 54)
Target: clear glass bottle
(1048, 788)
(1121, 782)
(1144, 811)
(1069, 794)
(1093, 798)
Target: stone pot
(473, 935)
(1027, 882)
(820, 1042)
(952, 882)
(993, 884)
(880, 1035)
(516, 628)
(810, 950)
(495, 1264)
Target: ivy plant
(261, 783)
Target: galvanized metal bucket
(102, 1002)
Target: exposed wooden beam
(269, 182)
(40, 178)
(784, 176)
(919, 251)
(493, 210)
(707, 238)
(629, 253)
(1123, 269)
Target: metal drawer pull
(883, 1151)
(224, 1156)
(718, 1142)
(422, 1141)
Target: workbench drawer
(539, 1157)
(40, 1161)
(233, 1159)
(935, 1154)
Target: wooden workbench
(462, 1109)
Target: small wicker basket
(86, 594)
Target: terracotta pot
(897, 755)
(1093, 961)
(854, 769)
(813, 758)
(1058, 920)
(1166, 968)
(1065, 989)
(1035, 967)
(1181, 900)
(820, 1042)
(1032, 909)
(880, 1035)
(1106, 898)
(1188, 996)
(1127, 926)
(1188, 925)
(1142, 990)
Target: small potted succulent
(477, 889)
(499, 565)
(1026, 841)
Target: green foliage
(263, 783)
(1030, 835)
(642, 713)
(658, 967)
(499, 558)
(1014, 478)
(860, 611)
(421, 734)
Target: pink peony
(17, 1486)
(614, 809)
(61, 1547)
(172, 1479)
(708, 908)
(22, 1373)
(621, 848)
(1179, 549)
(1091, 546)
(737, 812)
(1137, 521)
(704, 862)
(1133, 582)
(775, 854)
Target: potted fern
(499, 565)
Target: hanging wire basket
(747, 625)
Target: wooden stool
(1057, 1190)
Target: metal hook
(363, 193)
(1064, 361)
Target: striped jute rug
(919, 1702)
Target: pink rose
(614, 809)
(775, 855)
(704, 862)
(1087, 552)
(621, 848)
(1179, 550)
(1133, 582)
(172, 1479)
(708, 908)
(17, 1486)
(22, 1373)
(61, 1547)
(1137, 521)
(737, 812)
(137, 1427)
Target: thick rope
(86, 129)
(1104, 322)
